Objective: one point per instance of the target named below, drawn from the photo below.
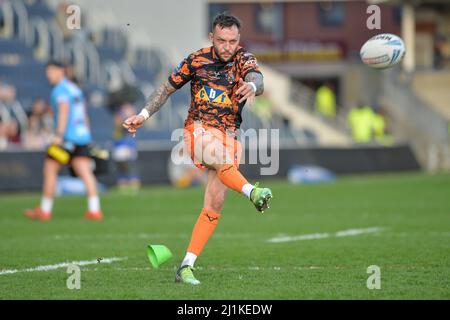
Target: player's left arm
(255, 79)
(251, 87)
(63, 116)
(251, 84)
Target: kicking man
(223, 77)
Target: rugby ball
(383, 51)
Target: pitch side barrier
(22, 170)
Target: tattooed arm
(257, 79)
(251, 87)
(158, 98)
(154, 103)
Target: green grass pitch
(412, 246)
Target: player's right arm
(179, 77)
(154, 103)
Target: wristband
(253, 86)
(145, 114)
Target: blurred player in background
(70, 144)
(223, 77)
(125, 152)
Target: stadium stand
(432, 87)
(32, 33)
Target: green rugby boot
(185, 275)
(260, 197)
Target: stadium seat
(15, 46)
(181, 97)
(108, 53)
(38, 8)
(101, 123)
(155, 135)
(144, 74)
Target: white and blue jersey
(77, 130)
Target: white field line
(106, 236)
(62, 265)
(141, 236)
(343, 233)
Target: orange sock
(230, 176)
(203, 229)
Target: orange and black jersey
(213, 86)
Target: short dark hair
(56, 63)
(226, 20)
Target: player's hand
(133, 123)
(246, 91)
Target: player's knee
(219, 167)
(83, 169)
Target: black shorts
(64, 156)
(80, 151)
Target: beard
(221, 57)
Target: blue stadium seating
(39, 9)
(28, 91)
(15, 46)
(181, 96)
(162, 135)
(108, 53)
(28, 75)
(144, 74)
(101, 122)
